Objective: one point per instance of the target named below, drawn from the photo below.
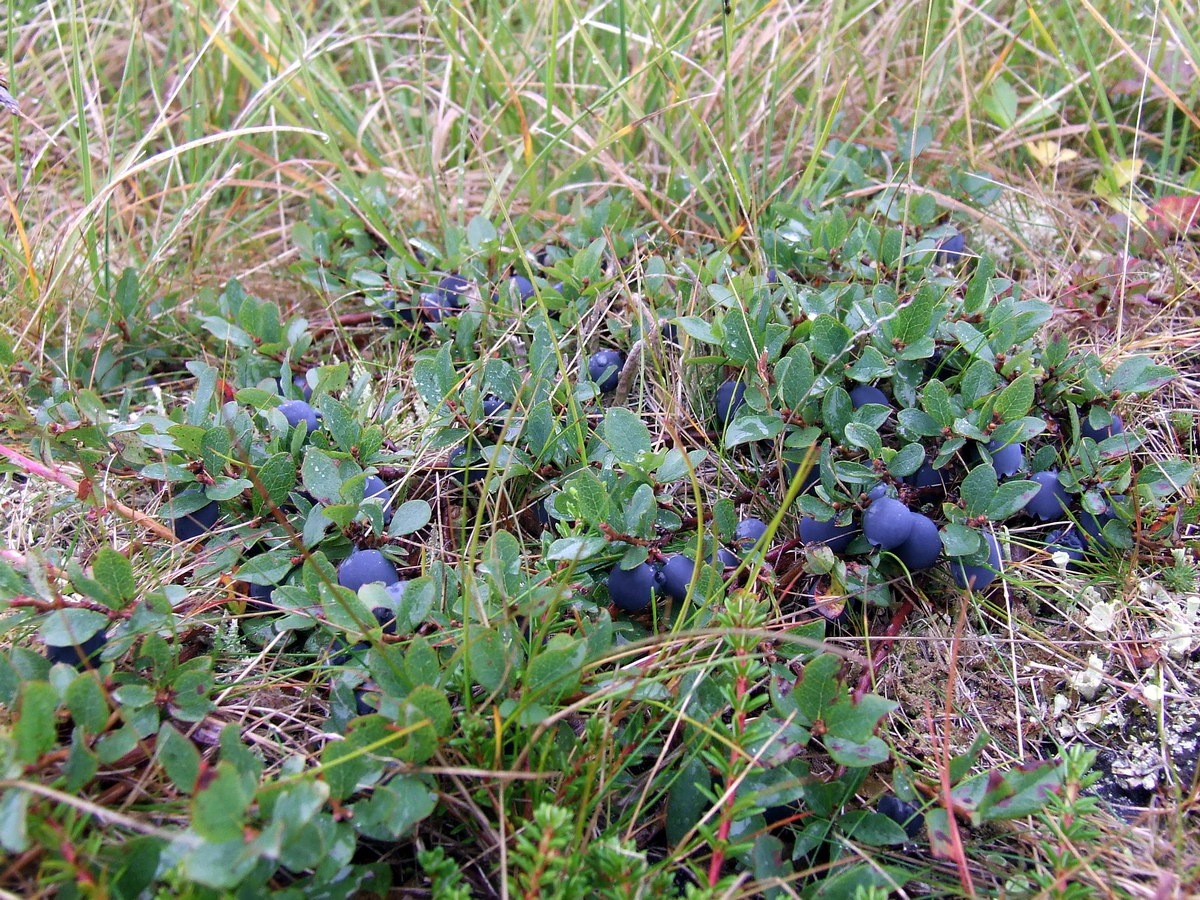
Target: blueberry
(366, 700)
(449, 297)
(259, 598)
(374, 488)
(835, 537)
(344, 654)
(927, 478)
(521, 287)
(676, 576)
(950, 250)
(397, 310)
(748, 532)
(1052, 500)
(904, 814)
(366, 567)
(544, 512)
(468, 472)
(604, 361)
(78, 656)
(1070, 542)
(384, 616)
(1007, 459)
(730, 397)
(978, 577)
(297, 411)
(1093, 525)
(811, 479)
(1099, 434)
(723, 558)
(878, 492)
(632, 589)
(865, 393)
(301, 384)
(195, 524)
(923, 545)
(887, 523)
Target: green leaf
(1016, 399)
(871, 752)
(113, 570)
(935, 398)
(218, 811)
(687, 800)
(818, 687)
(863, 436)
(837, 410)
(267, 568)
(577, 549)
(829, 338)
(959, 540)
(554, 672)
(907, 460)
(320, 475)
(87, 702)
(490, 664)
(913, 321)
(394, 808)
(70, 627)
(410, 517)
(978, 489)
(626, 435)
(1010, 499)
(1161, 478)
(699, 329)
(14, 833)
(1139, 375)
(179, 758)
(754, 427)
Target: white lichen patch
(1101, 617)
(1087, 683)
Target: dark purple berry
(978, 577)
(836, 537)
(468, 472)
(632, 589)
(730, 397)
(259, 598)
(1052, 500)
(366, 567)
(385, 618)
(811, 478)
(195, 524)
(301, 384)
(676, 576)
(887, 523)
(903, 814)
(1106, 431)
(748, 532)
(927, 478)
(1007, 459)
(865, 393)
(1093, 525)
(923, 545)
(1070, 542)
(603, 361)
(448, 299)
(80, 656)
(950, 250)
(723, 558)
(521, 287)
(297, 411)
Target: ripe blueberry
(1100, 434)
(366, 567)
(923, 545)
(468, 472)
(603, 361)
(297, 411)
(374, 488)
(865, 393)
(195, 524)
(632, 589)
(384, 616)
(835, 537)
(259, 598)
(887, 523)
(927, 478)
(723, 558)
(1052, 500)
(951, 250)
(521, 287)
(1070, 542)
(78, 656)
(676, 576)
(449, 297)
(730, 396)
(904, 814)
(978, 577)
(748, 532)
(1093, 525)
(1007, 459)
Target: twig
(889, 637)
(87, 490)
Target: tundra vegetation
(599, 450)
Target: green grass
(190, 140)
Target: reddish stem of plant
(85, 490)
(889, 637)
(718, 858)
